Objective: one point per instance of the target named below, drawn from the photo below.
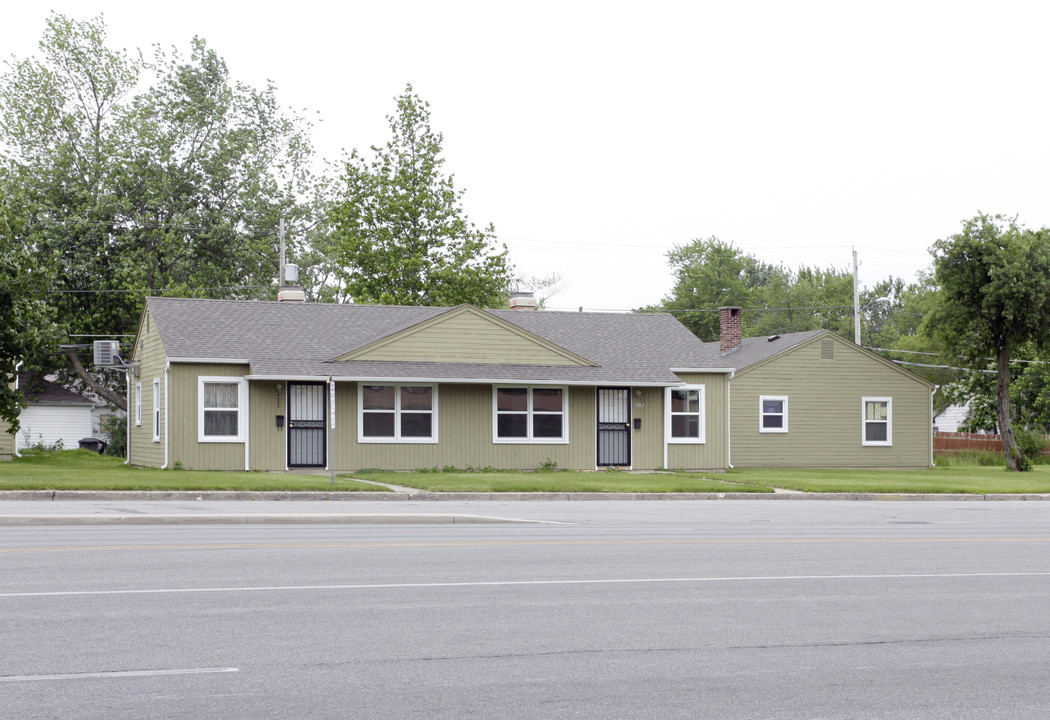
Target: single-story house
(815, 400)
(53, 415)
(250, 385)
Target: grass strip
(85, 470)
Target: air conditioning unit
(107, 353)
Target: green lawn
(83, 470)
(975, 479)
(561, 482)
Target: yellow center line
(516, 543)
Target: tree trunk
(101, 390)
(1002, 409)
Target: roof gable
(802, 340)
(466, 334)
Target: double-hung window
(222, 409)
(397, 413)
(773, 414)
(877, 421)
(530, 415)
(138, 403)
(684, 414)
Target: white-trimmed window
(684, 414)
(397, 413)
(156, 409)
(138, 403)
(523, 414)
(773, 413)
(222, 409)
(877, 421)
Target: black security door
(306, 427)
(614, 426)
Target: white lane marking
(517, 583)
(117, 674)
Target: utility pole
(856, 300)
(280, 275)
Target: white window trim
(702, 413)
(242, 409)
(138, 403)
(156, 409)
(762, 414)
(864, 422)
(529, 439)
(362, 438)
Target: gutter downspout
(14, 440)
(127, 424)
(935, 388)
(167, 435)
(729, 419)
(247, 426)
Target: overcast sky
(598, 135)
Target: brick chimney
(730, 329)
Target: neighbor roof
(44, 392)
(300, 340)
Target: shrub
(116, 427)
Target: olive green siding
(150, 358)
(712, 454)
(268, 442)
(647, 442)
(465, 435)
(824, 410)
(465, 426)
(467, 336)
(7, 443)
(183, 416)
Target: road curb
(257, 519)
(218, 495)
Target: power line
(160, 290)
(961, 357)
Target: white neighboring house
(53, 414)
(951, 418)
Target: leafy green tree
(995, 297)
(401, 233)
(26, 328)
(1029, 393)
(711, 273)
(175, 189)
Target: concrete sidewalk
(69, 507)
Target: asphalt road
(595, 610)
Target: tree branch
(99, 389)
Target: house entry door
(614, 426)
(306, 425)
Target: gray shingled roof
(44, 392)
(299, 340)
(755, 350)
